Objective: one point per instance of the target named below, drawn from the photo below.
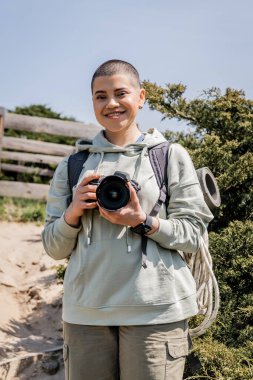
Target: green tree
(222, 139)
(41, 110)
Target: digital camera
(112, 191)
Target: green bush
(60, 271)
(216, 361)
(226, 350)
(221, 138)
(32, 214)
(22, 210)
(232, 251)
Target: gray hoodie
(105, 283)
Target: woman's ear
(142, 98)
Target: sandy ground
(30, 304)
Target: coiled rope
(208, 295)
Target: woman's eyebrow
(100, 92)
(117, 89)
(121, 89)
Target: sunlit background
(49, 49)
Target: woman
(122, 319)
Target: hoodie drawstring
(138, 166)
(100, 161)
(138, 163)
(144, 239)
(92, 216)
(90, 229)
(128, 243)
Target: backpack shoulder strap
(200, 262)
(158, 156)
(75, 165)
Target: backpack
(200, 262)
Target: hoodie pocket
(113, 277)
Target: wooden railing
(31, 156)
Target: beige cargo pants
(152, 352)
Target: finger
(82, 189)
(89, 178)
(89, 205)
(102, 211)
(83, 195)
(89, 196)
(133, 195)
(106, 214)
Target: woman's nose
(112, 102)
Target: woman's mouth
(115, 114)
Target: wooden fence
(31, 156)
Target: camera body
(113, 192)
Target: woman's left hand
(130, 215)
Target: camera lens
(113, 193)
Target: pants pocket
(177, 350)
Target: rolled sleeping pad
(209, 187)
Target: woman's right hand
(84, 192)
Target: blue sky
(49, 49)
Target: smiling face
(116, 100)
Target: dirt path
(30, 302)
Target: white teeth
(114, 114)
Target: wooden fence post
(2, 114)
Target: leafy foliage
(41, 110)
(22, 210)
(219, 362)
(222, 139)
(232, 251)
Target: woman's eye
(122, 93)
(100, 97)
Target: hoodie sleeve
(188, 214)
(59, 239)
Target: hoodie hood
(100, 144)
